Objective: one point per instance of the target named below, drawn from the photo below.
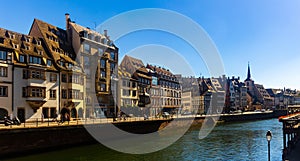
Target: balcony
(35, 102)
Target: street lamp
(269, 138)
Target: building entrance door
(21, 114)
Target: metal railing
(52, 122)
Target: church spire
(249, 73)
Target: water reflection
(228, 141)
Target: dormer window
(49, 62)
(91, 36)
(11, 36)
(16, 46)
(61, 62)
(97, 38)
(27, 39)
(104, 41)
(70, 65)
(35, 60)
(85, 34)
(22, 59)
(40, 52)
(38, 42)
(3, 55)
(26, 47)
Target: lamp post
(269, 137)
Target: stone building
(50, 72)
(98, 57)
(33, 88)
(6, 73)
(128, 91)
(168, 87)
(71, 78)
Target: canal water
(228, 141)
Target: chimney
(105, 33)
(67, 20)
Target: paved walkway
(50, 123)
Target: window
(133, 84)
(97, 38)
(70, 93)
(26, 47)
(53, 77)
(76, 79)
(128, 84)
(27, 39)
(25, 73)
(103, 87)
(11, 36)
(22, 59)
(64, 93)
(38, 42)
(40, 52)
(104, 41)
(124, 83)
(49, 63)
(3, 71)
(100, 51)
(64, 78)
(16, 46)
(133, 93)
(3, 55)
(102, 63)
(112, 67)
(103, 74)
(70, 78)
(61, 63)
(53, 94)
(35, 74)
(112, 55)
(126, 92)
(91, 36)
(75, 94)
(86, 48)
(36, 92)
(35, 60)
(3, 91)
(86, 61)
(24, 92)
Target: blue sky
(265, 33)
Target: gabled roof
(160, 70)
(131, 65)
(56, 40)
(25, 45)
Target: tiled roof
(160, 70)
(131, 65)
(25, 45)
(122, 73)
(57, 41)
